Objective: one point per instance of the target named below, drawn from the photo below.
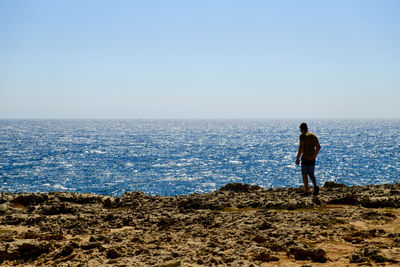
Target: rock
(357, 258)
(264, 226)
(380, 202)
(64, 252)
(33, 250)
(132, 199)
(395, 192)
(331, 185)
(57, 208)
(76, 198)
(4, 208)
(3, 198)
(14, 219)
(319, 255)
(6, 254)
(30, 199)
(373, 254)
(172, 264)
(113, 254)
(366, 254)
(377, 232)
(316, 255)
(108, 203)
(265, 257)
(90, 245)
(348, 199)
(259, 239)
(396, 242)
(356, 237)
(189, 204)
(373, 215)
(67, 250)
(166, 222)
(275, 246)
(238, 187)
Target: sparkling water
(172, 157)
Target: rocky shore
(237, 225)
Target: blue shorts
(307, 169)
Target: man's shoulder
(311, 134)
(308, 136)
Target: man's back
(310, 142)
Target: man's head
(303, 127)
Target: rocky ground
(238, 225)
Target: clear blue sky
(200, 59)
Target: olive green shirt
(310, 142)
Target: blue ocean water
(173, 157)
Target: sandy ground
(237, 225)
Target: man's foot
(316, 190)
(305, 194)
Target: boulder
(316, 255)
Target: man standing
(309, 148)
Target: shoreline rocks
(237, 225)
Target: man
(309, 148)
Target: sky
(208, 59)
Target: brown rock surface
(238, 225)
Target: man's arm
(317, 149)
(300, 152)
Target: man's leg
(314, 181)
(312, 177)
(305, 182)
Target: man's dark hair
(304, 127)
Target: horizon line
(217, 119)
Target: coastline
(237, 225)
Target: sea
(181, 157)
